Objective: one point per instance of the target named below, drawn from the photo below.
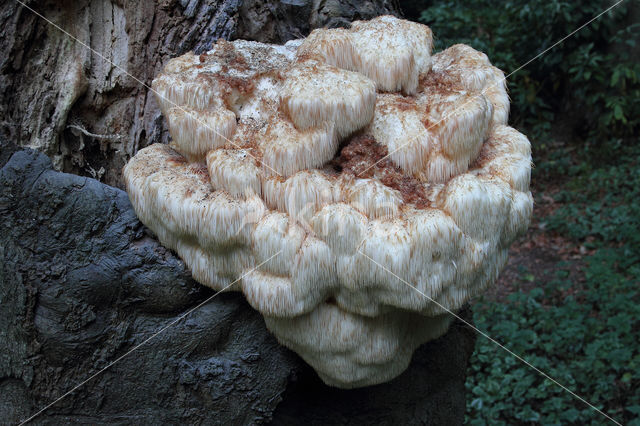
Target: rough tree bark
(90, 111)
(82, 281)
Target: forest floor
(534, 257)
(567, 302)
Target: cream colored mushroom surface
(355, 188)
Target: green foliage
(583, 335)
(589, 347)
(602, 203)
(591, 77)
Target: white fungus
(385, 181)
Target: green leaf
(635, 409)
(617, 112)
(614, 77)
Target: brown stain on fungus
(363, 157)
(177, 160)
(200, 170)
(438, 82)
(226, 53)
(240, 84)
(359, 155)
(230, 86)
(406, 103)
(486, 154)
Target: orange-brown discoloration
(363, 157)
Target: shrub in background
(590, 81)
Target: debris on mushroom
(357, 189)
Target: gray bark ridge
(82, 282)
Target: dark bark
(82, 283)
(91, 114)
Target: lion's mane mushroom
(334, 153)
